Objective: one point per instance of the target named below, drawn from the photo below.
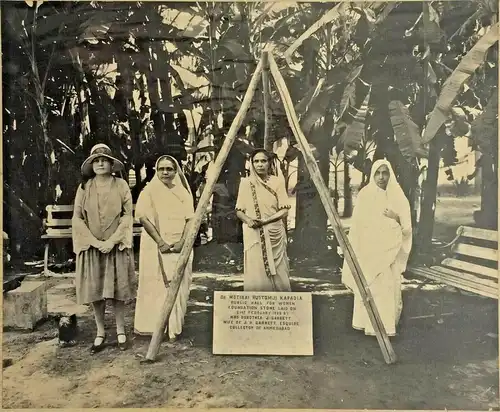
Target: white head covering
(179, 179)
(395, 195)
(393, 190)
(396, 199)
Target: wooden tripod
(382, 338)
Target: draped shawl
(379, 242)
(159, 203)
(260, 200)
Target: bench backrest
(475, 251)
(59, 217)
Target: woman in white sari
(262, 206)
(381, 236)
(164, 208)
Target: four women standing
(380, 235)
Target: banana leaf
(354, 134)
(317, 110)
(349, 95)
(304, 104)
(335, 13)
(484, 129)
(431, 30)
(460, 125)
(406, 131)
(452, 86)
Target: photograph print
(250, 204)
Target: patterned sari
(265, 257)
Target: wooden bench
(57, 225)
(472, 265)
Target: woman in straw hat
(164, 208)
(102, 241)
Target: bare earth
(449, 362)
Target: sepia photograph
(250, 204)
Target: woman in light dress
(164, 208)
(102, 241)
(262, 206)
(381, 236)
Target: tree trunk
(429, 186)
(347, 191)
(48, 148)
(268, 144)
(429, 194)
(336, 188)
(226, 226)
(487, 217)
(128, 86)
(49, 157)
(286, 175)
(158, 93)
(365, 173)
(310, 235)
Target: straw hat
(100, 150)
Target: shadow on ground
(444, 362)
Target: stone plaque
(262, 323)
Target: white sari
(382, 247)
(168, 210)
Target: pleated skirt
(102, 276)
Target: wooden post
(194, 225)
(382, 338)
(267, 101)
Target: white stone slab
(262, 323)
(25, 306)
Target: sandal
(97, 348)
(122, 345)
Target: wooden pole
(194, 225)
(267, 101)
(382, 338)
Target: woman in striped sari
(262, 206)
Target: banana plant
(452, 86)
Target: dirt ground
(443, 362)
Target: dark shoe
(97, 348)
(122, 345)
